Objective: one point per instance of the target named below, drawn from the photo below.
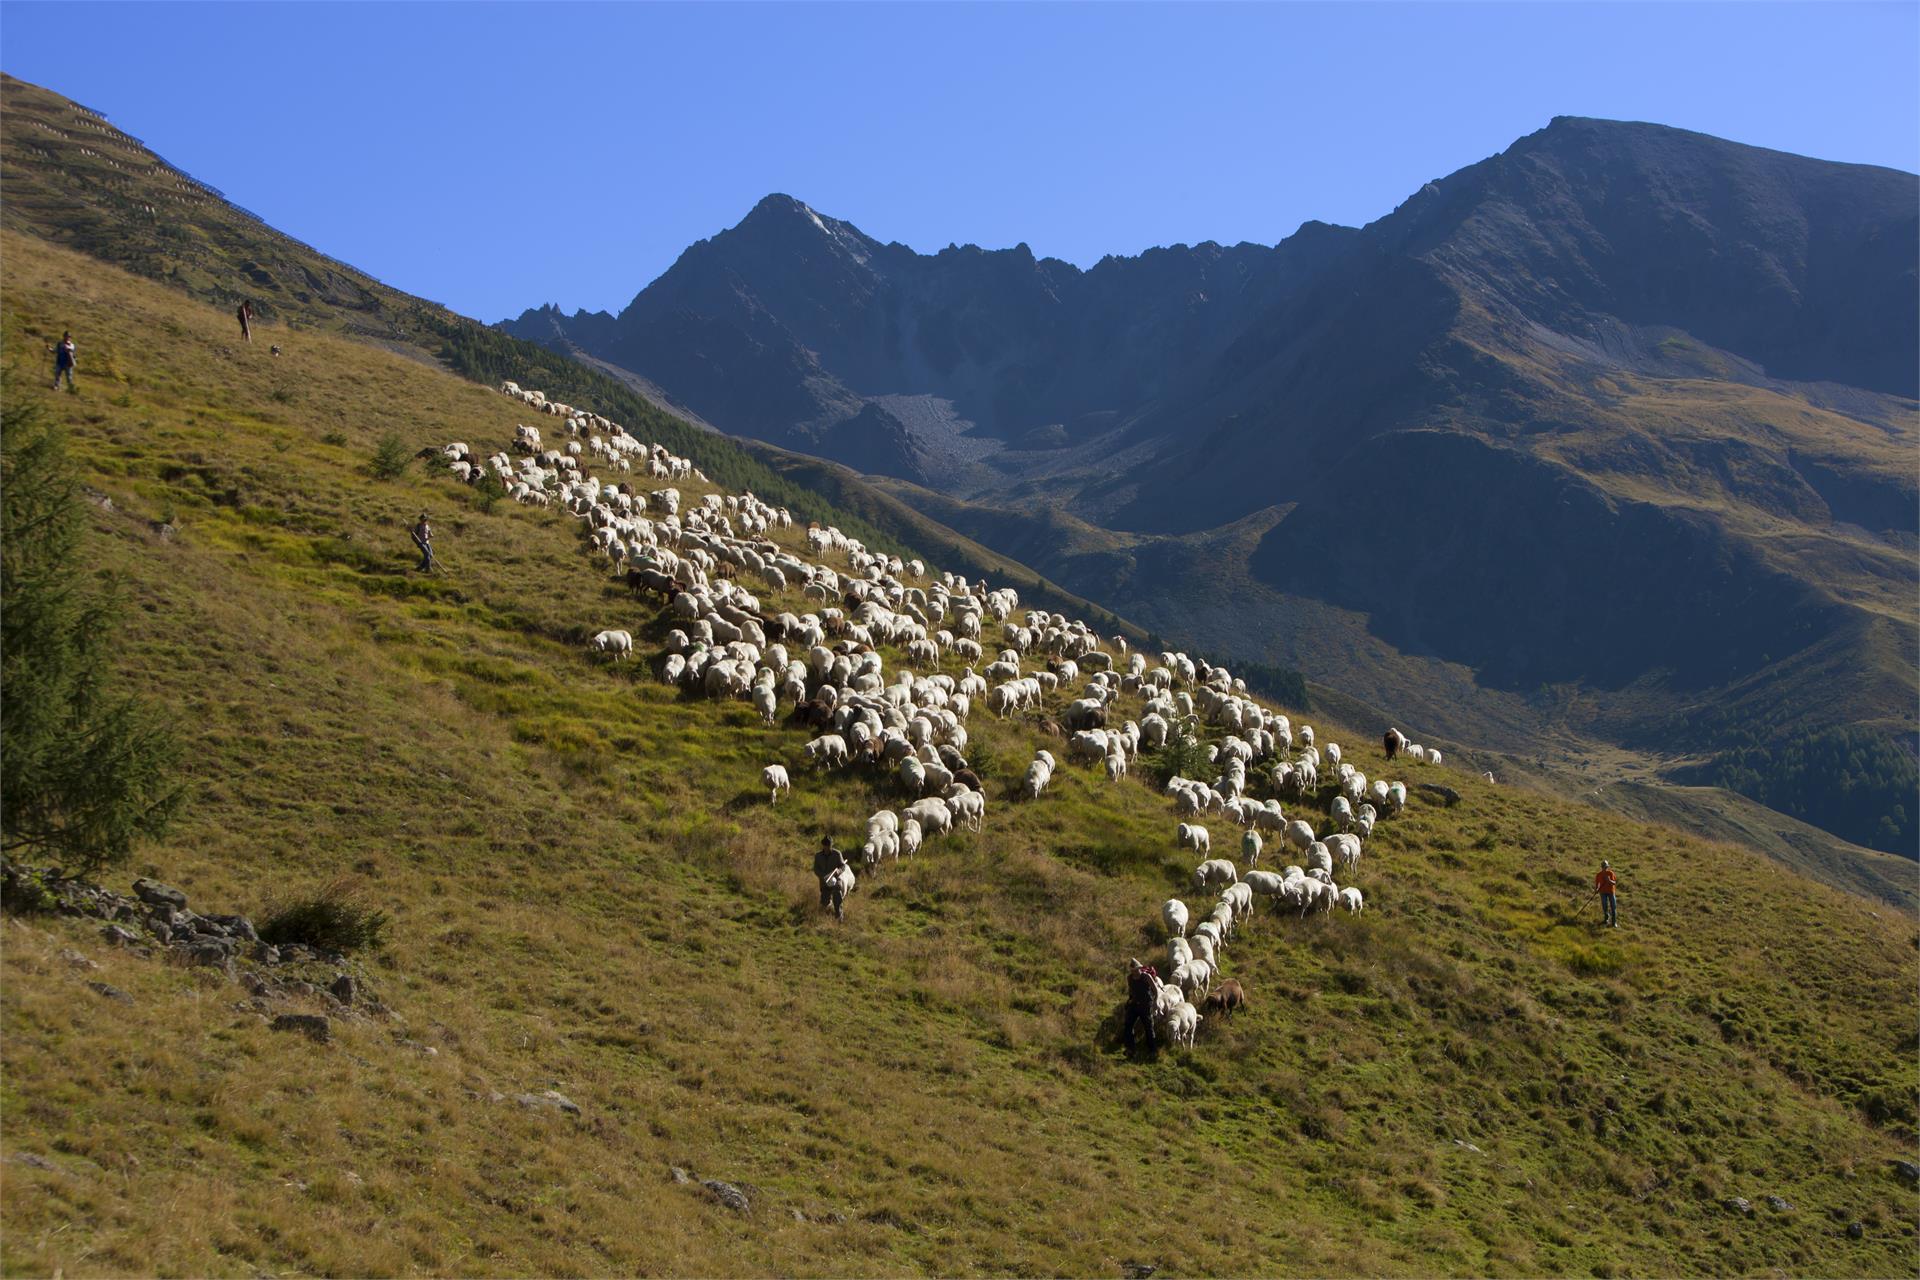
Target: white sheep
(1173, 914)
(827, 750)
(1193, 836)
(617, 644)
(1319, 858)
(1250, 847)
(1214, 871)
(1350, 899)
(932, 814)
(1205, 941)
(969, 808)
(1182, 1025)
(880, 844)
(774, 778)
(1264, 883)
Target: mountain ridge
(1707, 349)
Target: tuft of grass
(334, 917)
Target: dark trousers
(1609, 909)
(426, 555)
(62, 371)
(1139, 1015)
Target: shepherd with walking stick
(423, 539)
(1604, 885)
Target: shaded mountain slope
(1621, 417)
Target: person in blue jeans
(423, 539)
(1604, 884)
(63, 360)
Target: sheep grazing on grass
(932, 814)
(1194, 837)
(880, 845)
(1342, 813)
(1214, 872)
(969, 809)
(1039, 774)
(1181, 1026)
(827, 751)
(838, 663)
(1264, 883)
(615, 644)
(1225, 1000)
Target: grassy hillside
(590, 894)
(74, 179)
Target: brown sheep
(1225, 1000)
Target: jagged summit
(1712, 344)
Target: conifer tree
(85, 772)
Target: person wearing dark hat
(1143, 988)
(423, 539)
(826, 861)
(1604, 884)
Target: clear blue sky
(493, 157)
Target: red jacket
(1605, 881)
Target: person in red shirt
(1604, 884)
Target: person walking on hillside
(63, 360)
(1143, 988)
(1605, 884)
(423, 539)
(245, 315)
(826, 861)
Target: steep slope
(1686, 366)
(73, 179)
(591, 895)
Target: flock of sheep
(709, 559)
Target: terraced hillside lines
(75, 180)
(590, 893)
